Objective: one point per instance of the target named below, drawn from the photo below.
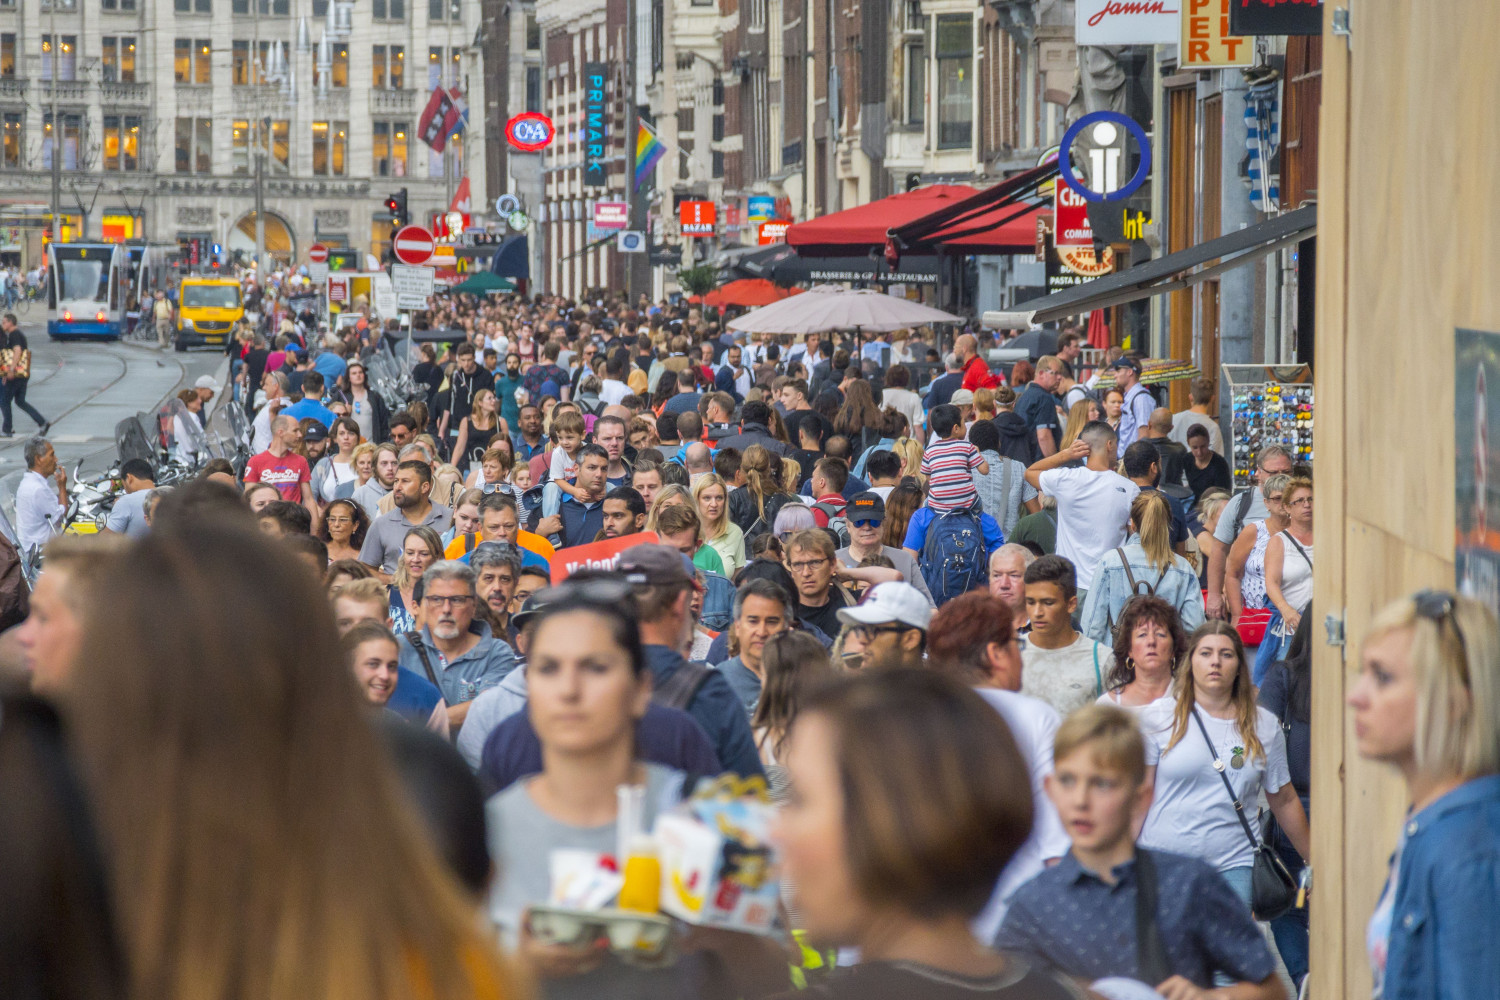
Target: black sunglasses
(1439, 606)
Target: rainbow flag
(648, 150)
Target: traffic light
(396, 205)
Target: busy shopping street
(935, 501)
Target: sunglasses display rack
(1268, 404)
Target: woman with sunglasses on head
(343, 529)
(1245, 568)
(1210, 733)
(1427, 702)
(588, 688)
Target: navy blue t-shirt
(1038, 408)
(665, 735)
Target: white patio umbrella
(832, 307)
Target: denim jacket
(1107, 597)
(1446, 918)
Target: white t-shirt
(563, 468)
(1067, 678)
(338, 474)
(908, 404)
(1033, 724)
(612, 391)
(1181, 422)
(1192, 813)
(1092, 511)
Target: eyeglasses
(867, 523)
(1300, 502)
(1438, 606)
(865, 633)
(449, 602)
(808, 566)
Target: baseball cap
(315, 432)
(962, 397)
(865, 507)
(1127, 362)
(889, 603)
(652, 565)
(529, 608)
(206, 382)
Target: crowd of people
(1016, 666)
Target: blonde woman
(362, 460)
(1146, 557)
(910, 451)
(711, 494)
(984, 404)
(1079, 414)
(475, 430)
(670, 495)
(419, 549)
(753, 506)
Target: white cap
(887, 603)
(206, 382)
(962, 397)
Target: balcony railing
(393, 102)
(74, 91)
(131, 94)
(12, 90)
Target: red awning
(746, 292)
(857, 230)
(1003, 229)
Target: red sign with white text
(698, 218)
(1070, 216)
(595, 555)
(774, 231)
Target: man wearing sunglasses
(454, 651)
(866, 516)
(892, 623)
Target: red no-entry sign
(413, 245)
(317, 253)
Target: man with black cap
(866, 514)
(663, 581)
(1135, 414)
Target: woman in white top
(722, 535)
(188, 439)
(897, 395)
(1148, 640)
(1289, 573)
(1213, 727)
(337, 468)
(1245, 573)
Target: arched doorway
(280, 244)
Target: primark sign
(595, 117)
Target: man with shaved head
(698, 460)
(977, 374)
(1173, 456)
(283, 468)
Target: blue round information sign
(1109, 119)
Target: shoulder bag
(1150, 950)
(1273, 891)
(1135, 590)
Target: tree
(698, 280)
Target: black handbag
(1273, 891)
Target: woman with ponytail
(753, 507)
(1144, 565)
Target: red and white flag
(461, 197)
(436, 123)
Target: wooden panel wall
(1409, 199)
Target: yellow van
(207, 309)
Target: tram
(86, 290)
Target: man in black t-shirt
(16, 376)
(810, 559)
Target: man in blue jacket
(663, 584)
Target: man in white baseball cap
(207, 389)
(892, 623)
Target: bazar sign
(697, 218)
(773, 231)
(1206, 40)
(1276, 17)
(1128, 22)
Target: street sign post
(413, 245)
(413, 285)
(317, 253)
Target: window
(388, 10)
(116, 4)
(72, 127)
(182, 60)
(10, 152)
(330, 148)
(239, 64)
(192, 6)
(434, 67)
(122, 136)
(8, 56)
(443, 10)
(718, 128)
(685, 121)
(239, 148)
(194, 145)
(191, 60)
(341, 66)
(281, 8)
(533, 33)
(388, 145)
(119, 59)
(916, 84)
(67, 65)
(533, 88)
(389, 62)
(202, 61)
(955, 66)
